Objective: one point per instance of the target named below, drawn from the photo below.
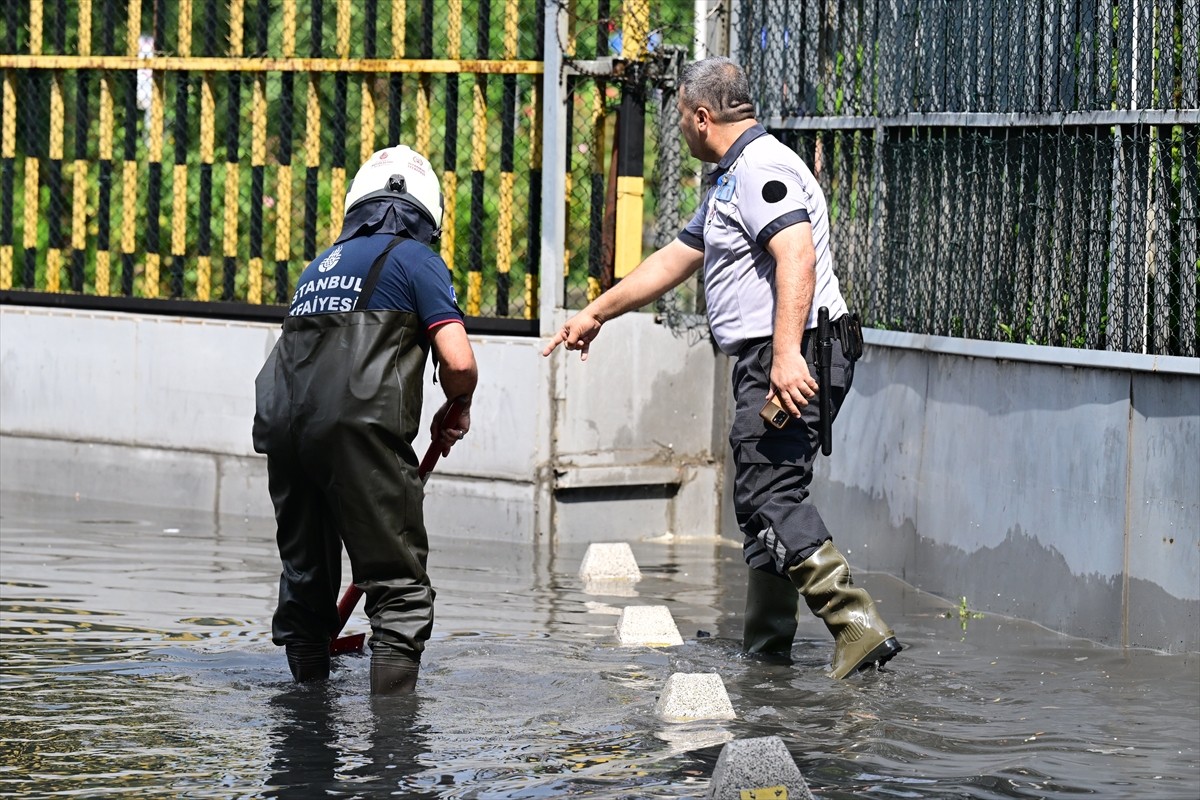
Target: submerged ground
(137, 660)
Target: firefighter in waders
(338, 406)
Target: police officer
(761, 236)
(338, 406)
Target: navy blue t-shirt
(414, 279)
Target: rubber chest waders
(338, 407)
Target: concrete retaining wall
(1068, 495)
(1060, 486)
(158, 410)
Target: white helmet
(398, 172)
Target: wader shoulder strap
(364, 297)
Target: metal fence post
(554, 138)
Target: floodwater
(137, 662)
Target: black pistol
(824, 368)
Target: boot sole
(879, 655)
(882, 654)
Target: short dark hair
(720, 85)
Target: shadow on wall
(1020, 577)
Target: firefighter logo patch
(331, 260)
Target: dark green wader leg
(382, 524)
(771, 606)
(312, 558)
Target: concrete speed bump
(648, 625)
(757, 769)
(609, 562)
(689, 696)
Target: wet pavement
(136, 660)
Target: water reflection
(305, 758)
(320, 746)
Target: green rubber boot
(393, 674)
(860, 636)
(771, 605)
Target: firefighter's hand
(449, 432)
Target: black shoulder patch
(774, 191)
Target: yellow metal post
(631, 143)
(337, 175)
(8, 153)
(450, 145)
(258, 160)
(80, 165)
(283, 179)
(103, 245)
(508, 112)
(154, 186)
(7, 169)
(366, 114)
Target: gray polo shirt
(761, 188)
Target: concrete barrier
(626, 445)
(689, 696)
(652, 626)
(757, 769)
(609, 561)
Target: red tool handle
(352, 594)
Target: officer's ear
(703, 117)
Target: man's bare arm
(459, 375)
(795, 283)
(662, 271)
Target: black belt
(845, 329)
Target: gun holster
(850, 335)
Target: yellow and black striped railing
(200, 150)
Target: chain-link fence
(201, 149)
(596, 31)
(995, 168)
(677, 181)
(1067, 236)
(890, 57)
(1019, 170)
